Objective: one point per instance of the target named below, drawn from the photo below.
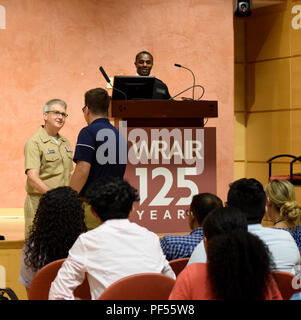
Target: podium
(171, 157)
(158, 112)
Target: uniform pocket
(51, 157)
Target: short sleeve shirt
(176, 247)
(101, 145)
(52, 158)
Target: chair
(178, 265)
(294, 178)
(40, 285)
(285, 283)
(143, 286)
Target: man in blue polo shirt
(100, 150)
(176, 247)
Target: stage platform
(12, 223)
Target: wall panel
(268, 134)
(268, 85)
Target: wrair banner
(168, 166)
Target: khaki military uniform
(90, 220)
(54, 162)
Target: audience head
(238, 262)
(223, 220)
(248, 195)
(144, 63)
(281, 195)
(200, 207)
(58, 222)
(111, 198)
(97, 101)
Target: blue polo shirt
(101, 144)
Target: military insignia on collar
(68, 148)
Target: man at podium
(144, 63)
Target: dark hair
(111, 198)
(58, 222)
(98, 101)
(202, 204)
(143, 52)
(239, 266)
(223, 220)
(248, 195)
(238, 262)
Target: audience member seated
(249, 196)
(58, 222)
(115, 249)
(283, 209)
(238, 267)
(175, 247)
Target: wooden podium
(171, 157)
(157, 112)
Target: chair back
(294, 178)
(178, 265)
(143, 286)
(285, 282)
(40, 285)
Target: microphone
(109, 82)
(105, 75)
(180, 66)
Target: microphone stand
(194, 86)
(180, 66)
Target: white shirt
(281, 244)
(115, 249)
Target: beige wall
(267, 90)
(52, 49)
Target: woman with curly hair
(238, 264)
(283, 209)
(58, 222)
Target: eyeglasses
(83, 108)
(57, 113)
